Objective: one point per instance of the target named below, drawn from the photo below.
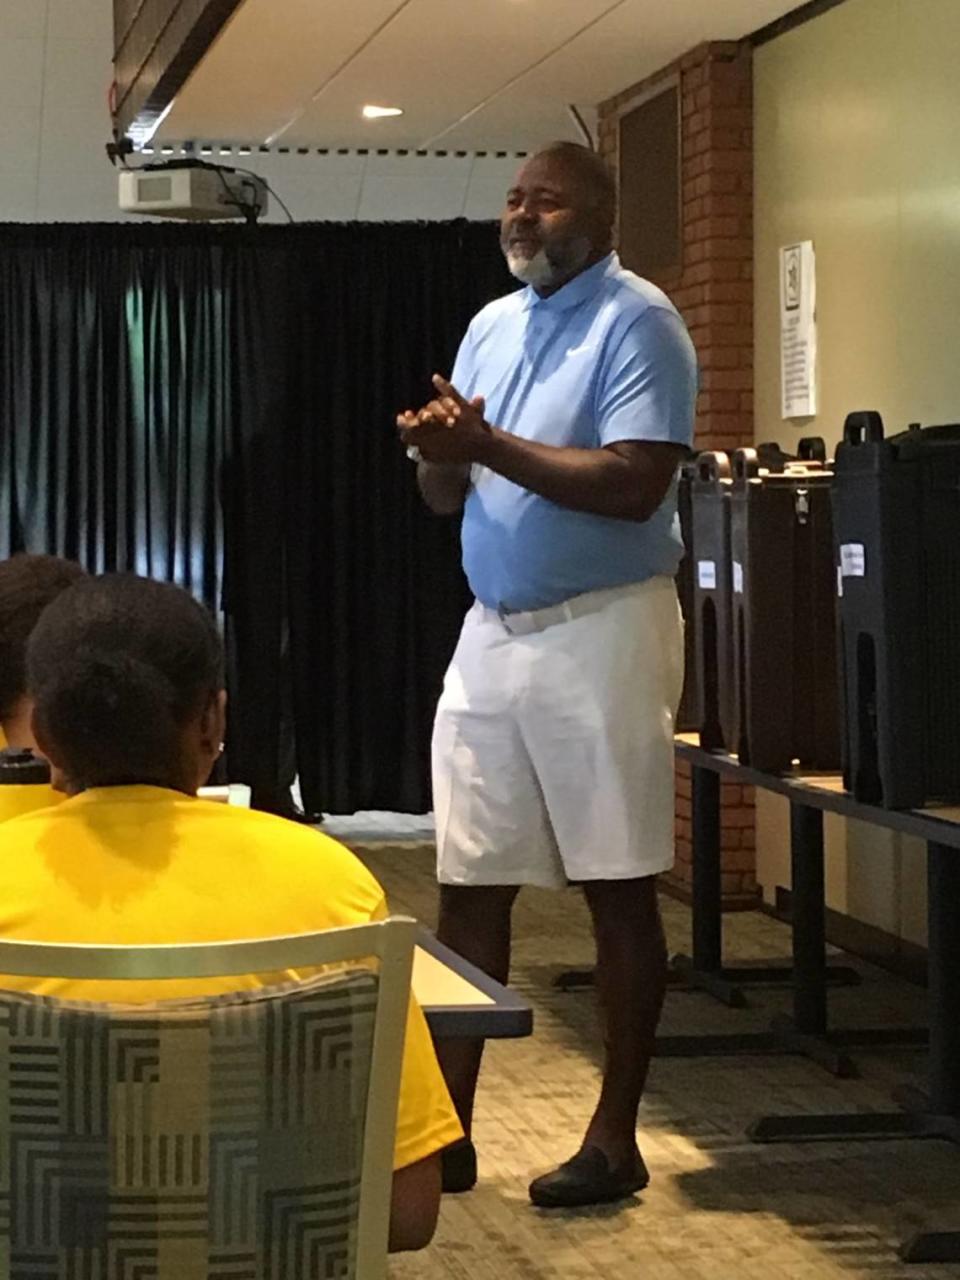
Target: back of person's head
(28, 584)
(127, 676)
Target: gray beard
(537, 271)
(542, 272)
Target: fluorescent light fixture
(371, 112)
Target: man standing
(569, 408)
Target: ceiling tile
(23, 19)
(21, 74)
(490, 74)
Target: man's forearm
(443, 485)
(600, 481)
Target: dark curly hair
(27, 585)
(117, 666)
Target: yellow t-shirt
(140, 865)
(18, 799)
(15, 800)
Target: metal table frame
(933, 1114)
(704, 969)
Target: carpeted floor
(717, 1206)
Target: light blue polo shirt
(603, 359)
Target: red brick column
(713, 290)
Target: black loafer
(458, 1165)
(284, 806)
(588, 1179)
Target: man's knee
(476, 903)
(640, 890)
(619, 904)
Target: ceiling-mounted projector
(192, 189)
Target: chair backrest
(240, 1137)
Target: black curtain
(111, 417)
(214, 407)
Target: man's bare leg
(631, 982)
(474, 922)
(631, 979)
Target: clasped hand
(449, 429)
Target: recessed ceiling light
(371, 112)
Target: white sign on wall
(853, 560)
(798, 330)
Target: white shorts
(553, 747)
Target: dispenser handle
(813, 449)
(863, 427)
(713, 465)
(746, 464)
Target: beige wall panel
(928, 291)
(773, 851)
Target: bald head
(559, 216)
(589, 172)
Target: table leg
(806, 1032)
(939, 1112)
(705, 971)
(943, 914)
(809, 930)
(935, 1114)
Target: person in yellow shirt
(126, 677)
(27, 585)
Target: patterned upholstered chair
(240, 1137)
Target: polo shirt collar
(575, 291)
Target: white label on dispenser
(839, 581)
(738, 577)
(853, 560)
(707, 574)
